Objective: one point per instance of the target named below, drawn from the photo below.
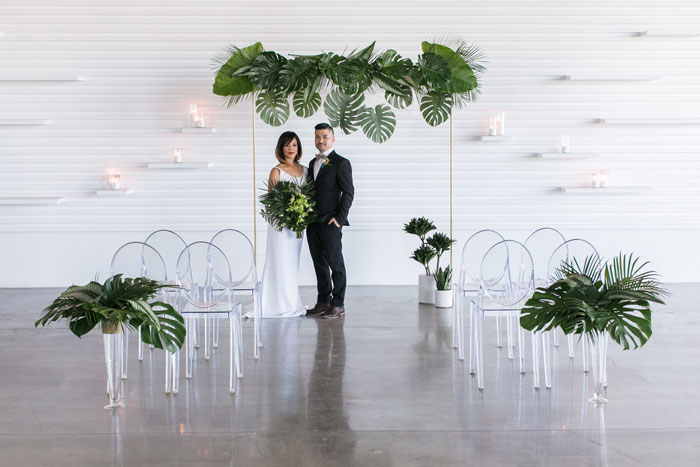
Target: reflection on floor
(381, 387)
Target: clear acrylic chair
(203, 278)
(473, 252)
(541, 244)
(576, 249)
(244, 276)
(169, 244)
(136, 259)
(507, 281)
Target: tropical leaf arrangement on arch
(445, 74)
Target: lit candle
(493, 126)
(502, 123)
(604, 178)
(114, 181)
(199, 121)
(595, 180)
(177, 155)
(565, 143)
(193, 114)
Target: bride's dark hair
(286, 138)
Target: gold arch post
(255, 199)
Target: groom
(332, 175)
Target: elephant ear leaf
(306, 107)
(378, 123)
(273, 108)
(344, 110)
(231, 79)
(436, 108)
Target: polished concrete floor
(381, 387)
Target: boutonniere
(325, 162)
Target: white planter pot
(426, 289)
(443, 298)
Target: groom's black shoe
(335, 312)
(319, 309)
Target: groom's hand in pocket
(334, 222)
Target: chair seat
(245, 286)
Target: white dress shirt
(317, 164)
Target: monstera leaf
(298, 74)
(398, 101)
(343, 110)
(378, 123)
(265, 70)
(272, 107)
(461, 77)
(436, 108)
(306, 107)
(231, 79)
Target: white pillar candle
(493, 126)
(502, 124)
(565, 143)
(604, 178)
(595, 180)
(193, 114)
(114, 182)
(177, 155)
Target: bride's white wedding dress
(280, 279)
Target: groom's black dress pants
(326, 248)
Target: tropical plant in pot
(442, 243)
(431, 248)
(117, 304)
(598, 301)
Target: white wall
(145, 61)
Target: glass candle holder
(595, 180)
(114, 182)
(177, 155)
(502, 123)
(604, 178)
(193, 114)
(565, 143)
(199, 121)
(493, 130)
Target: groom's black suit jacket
(334, 189)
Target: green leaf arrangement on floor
(119, 302)
(444, 75)
(289, 205)
(597, 297)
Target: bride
(280, 279)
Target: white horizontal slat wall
(116, 78)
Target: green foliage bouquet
(289, 205)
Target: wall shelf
(28, 201)
(609, 77)
(181, 165)
(662, 33)
(59, 77)
(124, 192)
(495, 139)
(649, 121)
(25, 122)
(615, 190)
(198, 130)
(569, 155)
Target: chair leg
(605, 360)
(189, 347)
(231, 379)
(480, 349)
(536, 359)
(458, 331)
(570, 339)
(498, 332)
(168, 371)
(125, 353)
(521, 349)
(195, 334)
(256, 326)
(556, 337)
(509, 332)
(472, 339)
(455, 318)
(545, 359)
(207, 340)
(257, 306)
(140, 344)
(585, 352)
(239, 332)
(215, 336)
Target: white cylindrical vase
(443, 298)
(426, 289)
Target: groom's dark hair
(324, 126)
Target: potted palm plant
(441, 244)
(424, 254)
(117, 304)
(598, 301)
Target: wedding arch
(445, 75)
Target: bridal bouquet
(289, 205)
